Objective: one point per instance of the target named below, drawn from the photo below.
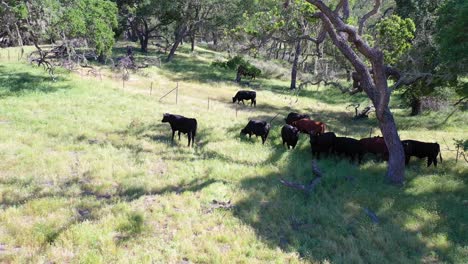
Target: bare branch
(309, 187)
(374, 11)
(410, 79)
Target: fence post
(177, 93)
(151, 89)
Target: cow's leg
(179, 135)
(434, 159)
(429, 161)
(250, 135)
(173, 133)
(263, 139)
(193, 137)
(189, 135)
(407, 159)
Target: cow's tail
(440, 156)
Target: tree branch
(374, 11)
(309, 187)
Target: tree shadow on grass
(18, 83)
(330, 223)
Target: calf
(182, 125)
(245, 95)
(294, 117)
(322, 143)
(421, 150)
(290, 136)
(309, 126)
(376, 146)
(349, 147)
(258, 128)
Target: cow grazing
(322, 143)
(294, 117)
(290, 135)
(349, 147)
(258, 128)
(421, 150)
(376, 146)
(309, 126)
(182, 125)
(245, 95)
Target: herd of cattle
(320, 141)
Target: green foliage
(462, 144)
(236, 62)
(90, 19)
(452, 35)
(394, 36)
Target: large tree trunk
(396, 163)
(294, 66)
(144, 42)
(416, 106)
(192, 41)
(215, 39)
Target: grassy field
(88, 174)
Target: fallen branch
(309, 187)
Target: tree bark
(215, 39)
(143, 36)
(415, 106)
(179, 36)
(349, 42)
(192, 41)
(396, 162)
(294, 66)
(144, 42)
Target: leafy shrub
(237, 61)
(221, 64)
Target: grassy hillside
(88, 174)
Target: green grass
(88, 174)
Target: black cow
(421, 150)
(258, 128)
(294, 117)
(322, 143)
(183, 125)
(349, 147)
(290, 135)
(245, 95)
